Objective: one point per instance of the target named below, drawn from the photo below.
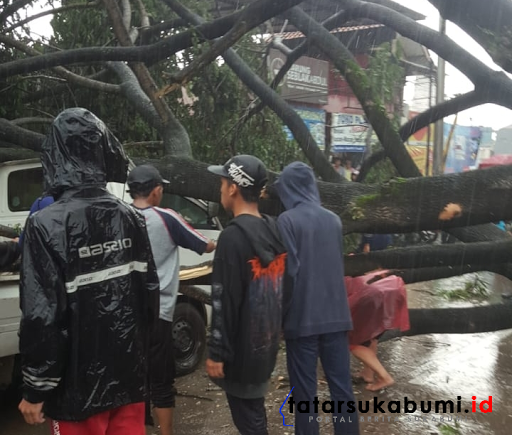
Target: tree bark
(20, 136)
(145, 53)
(488, 318)
(359, 83)
(63, 72)
(10, 154)
(489, 26)
(495, 84)
(176, 139)
(447, 108)
(11, 9)
(478, 256)
(401, 206)
(8, 232)
(54, 11)
(274, 101)
(369, 163)
(300, 50)
(423, 274)
(252, 16)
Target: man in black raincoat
(89, 289)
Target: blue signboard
(348, 148)
(315, 122)
(463, 150)
(348, 133)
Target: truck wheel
(189, 338)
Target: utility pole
(439, 130)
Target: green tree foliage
(387, 75)
(214, 119)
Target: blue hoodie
(315, 301)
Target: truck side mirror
(213, 209)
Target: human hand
(214, 369)
(32, 412)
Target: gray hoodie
(315, 300)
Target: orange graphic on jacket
(274, 270)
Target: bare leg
(165, 418)
(367, 374)
(369, 358)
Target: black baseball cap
(145, 175)
(244, 170)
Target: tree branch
(13, 8)
(147, 33)
(63, 72)
(442, 202)
(489, 26)
(359, 83)
(253, 15)
(125, 10)
(447, 108)
(273, 100)
(422, 274)
(369, 163)
(495, 83)
(59, 89)
(471, 320)
(293, 57)
(52, 11)
(20, 136)
(480, 256)
(145, 53)
(144, 18)
(10, 154)
(31, 120)
(168, 120)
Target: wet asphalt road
(431, 367)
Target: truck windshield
(24, 187)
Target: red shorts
(125, 420)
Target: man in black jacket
(89, 289)
(247, 282)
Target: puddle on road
(445, 366)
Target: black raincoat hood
(81, 151)
(297, 185)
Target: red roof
(500, 159)
(296, 35)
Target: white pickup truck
(20, 184)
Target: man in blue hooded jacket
(316, 315)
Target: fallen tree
(130, 61)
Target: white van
(21, 184)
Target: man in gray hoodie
(316, 315)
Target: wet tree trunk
(495, 317)
(478, 256)
(403, 205)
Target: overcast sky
(488, 115)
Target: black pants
(248, 415)
(162, 366)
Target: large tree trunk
(488, 318)
(403, 205)
(478, 256)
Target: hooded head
(81, 151)
(297, 185)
